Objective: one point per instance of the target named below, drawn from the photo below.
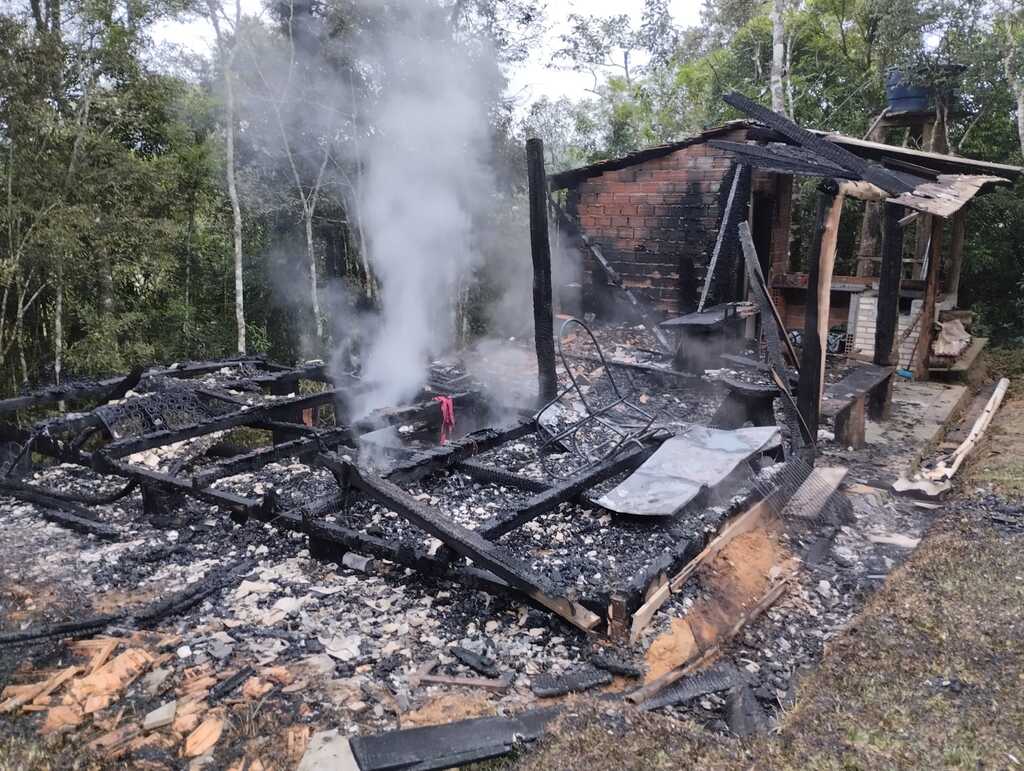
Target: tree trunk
(318, 322)
(778, 56)
(1018, 94)
(58, 324)
(236, 209)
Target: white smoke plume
(426, 175)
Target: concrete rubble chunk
(161, 716)
(328, 751)
(357, 562)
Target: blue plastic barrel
(904, 96)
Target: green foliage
(839, 52)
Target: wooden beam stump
(540, 248)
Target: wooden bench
(865, 392)
(746, 402)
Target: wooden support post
(819, 288)
(931, 289)
(956, 254)
(543, 315)
(889, 277)
(871, 226)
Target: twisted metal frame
(569, 437)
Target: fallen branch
(946, 471)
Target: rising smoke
(427, 177)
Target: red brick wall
(651, 217)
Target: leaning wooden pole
(543, 315)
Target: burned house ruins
(591, 514)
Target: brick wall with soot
(656, 222)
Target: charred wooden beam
(543, 315)
(61, 512)
(304, 447)
(464, 542)
(548, 500)
(230, 501)
(132, 445)
(890, 275)
(923, 351)
(428, 461)
(819, 282)
(491, 475)
(830, 151)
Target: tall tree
(227, 49)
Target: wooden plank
(487, 683)
(540, 250)
(948, 467)
(756, 277)
(749, 520)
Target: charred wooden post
(888, 309)
(819, 281)
(931, 288)
(889, 277)
(543, 316)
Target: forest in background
(159, 206)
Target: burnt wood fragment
(743, 713)
(143, 616)
(482, 664)
(574, 681)
(61, 512)
(451, 744)
(617, 664)
(719, 677)
(497, 476)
